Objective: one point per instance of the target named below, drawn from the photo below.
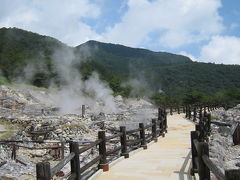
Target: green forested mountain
(18, 48)
(119, 65)
(173, 74)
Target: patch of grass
(75, 126)
(38, 88)
(29, 86)
(6, 135)
(8, 125)
(4, 81)
(9, 130)
(214, 117)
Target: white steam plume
(75, 92)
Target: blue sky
(204, 30)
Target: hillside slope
(143, 70)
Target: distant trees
(163, 99)
(228, 98)
(193, 97)
(4, 81)
(116, 65)
(231, 97)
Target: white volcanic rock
(222, 151)
(35, 111)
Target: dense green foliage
(170, 73)
(227, 98)
(128, 71)
(4, 81)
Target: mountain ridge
(116, 64)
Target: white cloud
(189, 55)
(59, 19)
(158, 23)
(222, 49)
(178, 22)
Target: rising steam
(75, 92)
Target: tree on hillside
(193, 97)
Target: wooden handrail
(215, 170)
(196, 143)
(113, 136)
(90, 146)
(38, 141)
(88, 165)
(148, 126)
(133, 131)
(202, 164)
(112, 151)
(72, 176)
(53, 147)
(148, 136)
(131, 142)
(61, 164)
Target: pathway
(168, 159)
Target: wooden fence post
(102, 151)
(161, 129)
(204, 109)
(165, 117)
(197, 128)
(201, 130)
(142, 135)
(159, 113)
(75, 162)
(154, 130)
(43, 171)
(200, 113)
(123, 139)
(208, 124)
(232, 174)
(14, 152)
(189, 113)
(236, 134)
(203, 170)
(83, 111)
(62, 150)
(165, 120)
(194, 151)
(186, 112)
(194, 113)
(171, 110)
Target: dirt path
(3, 130)
(168, 159)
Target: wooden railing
(15, 144)
(124, 140)
(201, 163)
(193, 110)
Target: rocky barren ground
(223, 151)
(30, 109)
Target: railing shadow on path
(183, 175)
